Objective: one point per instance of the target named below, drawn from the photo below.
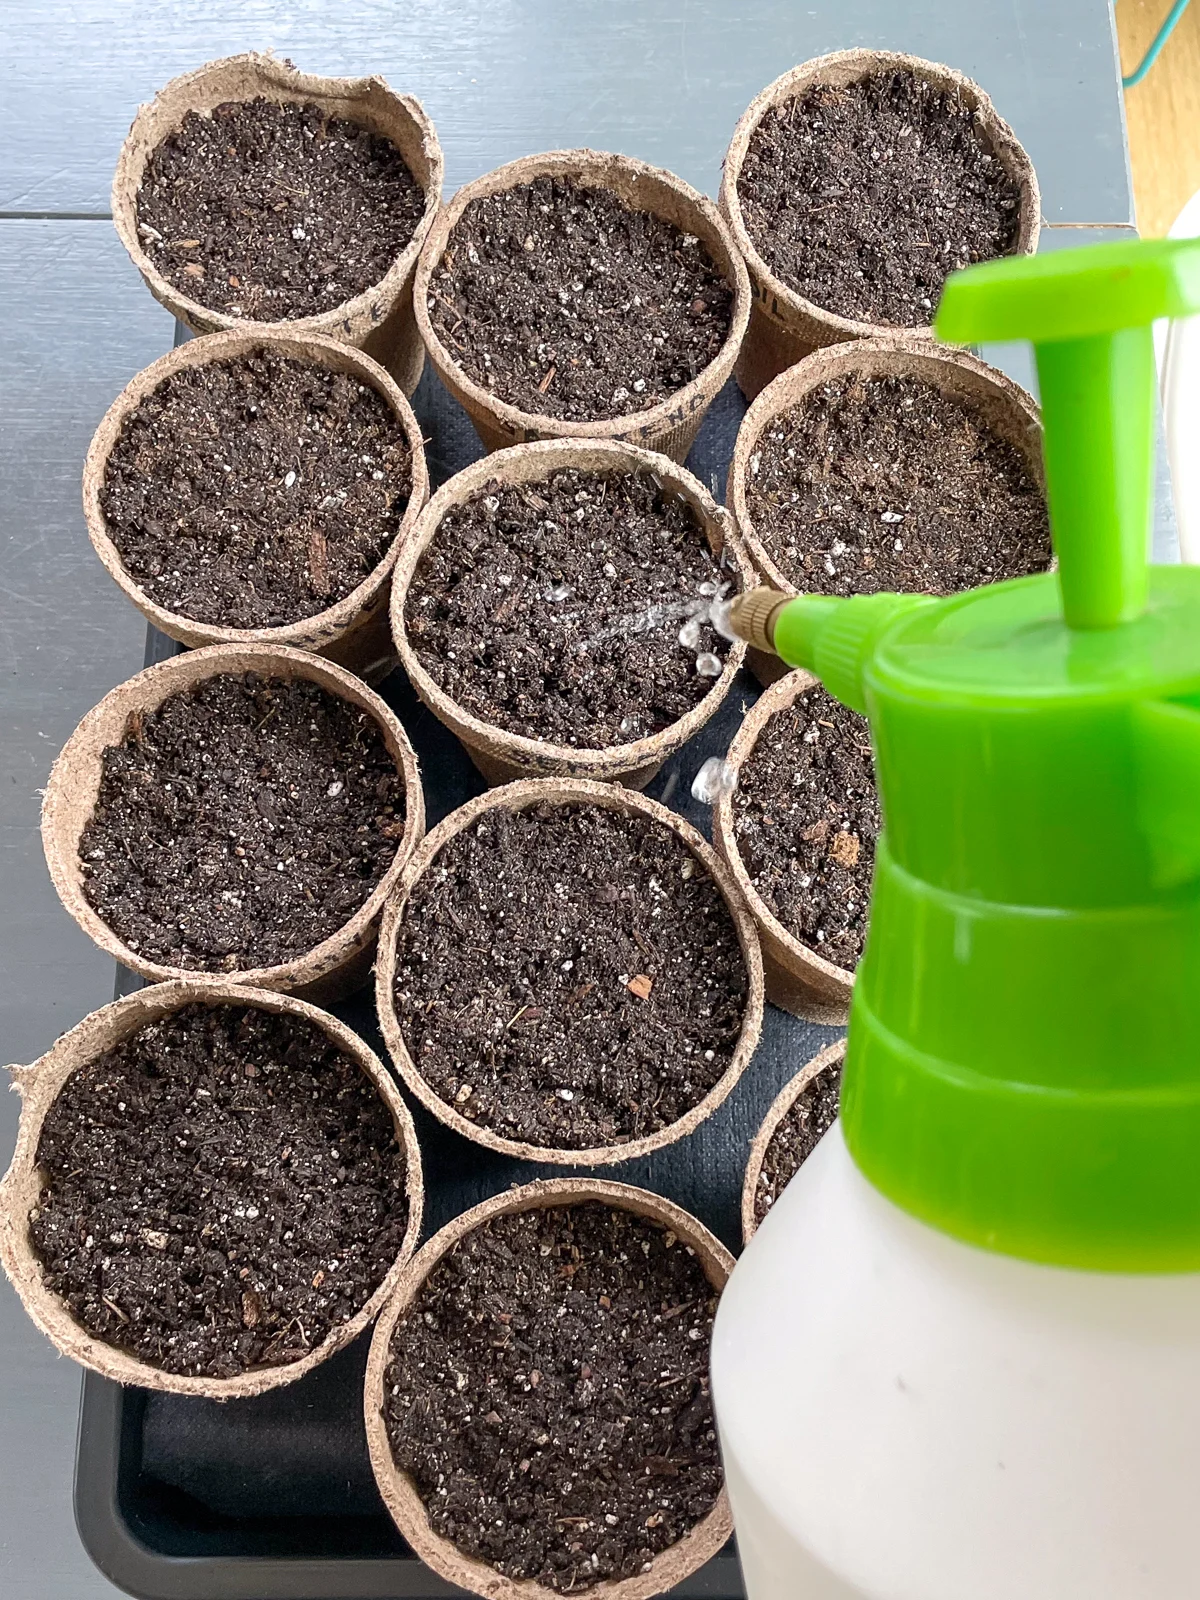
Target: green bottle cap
(1023, 1068)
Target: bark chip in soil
(222, 1190)
(565, 302)
(809, 1117)
(275, 211)
(256, 491)
(806, 818)
(886, 483)
(571, 610)
(548, 1394)
(241, 823)
(569, 976)
(865, 198)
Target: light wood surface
(1163, 112)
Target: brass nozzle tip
(752, 616)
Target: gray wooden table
(661, 79)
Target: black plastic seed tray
(273, 1498)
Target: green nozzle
(1023, 1068)
(834, 638)
(1088, 313)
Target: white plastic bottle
(906, 1417)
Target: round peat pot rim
(74, 781)
(839, 68)
(534, 462)
(832, 1055)
(679, 1560)
(632, 181)
(42, 1082)
(321, 628)
(1007, 410)
(369, 101)
(825, 987)
(567, 792)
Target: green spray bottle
(962, 1355)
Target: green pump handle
(1023, 1066)
(1089, 316)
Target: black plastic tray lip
(140, 1570)
(134, 1566)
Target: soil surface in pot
(560, 609)
(241, 823)
(548, 1394)
(809, 1117)
(563, 301)
(806, 817)
(222, 1190)
(275, 211)
(864, 199)
(256, 491)
(569, 976)
(886, 483)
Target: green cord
(1155, 50)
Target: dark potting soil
(256, 491)
(809, 1117)
(241, 823)
(221, 1191)
(275, 211)
(885, 483)
(806, 817)
(569, 976)
(563, 301)
(554, 609)
(864, 199)
(548, 1394)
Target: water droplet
(689, 634)
(709, 665)
(715, 778)
(718, 615)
